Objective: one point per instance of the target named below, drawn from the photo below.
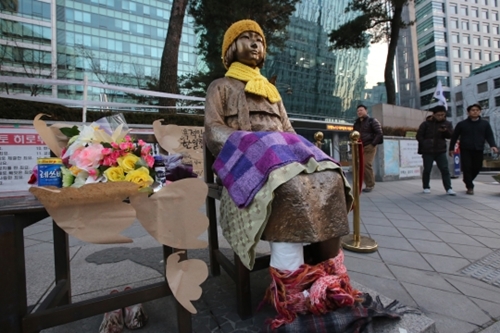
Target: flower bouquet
(104, 152)
(103, 166)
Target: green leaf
(70, 132)
(106, 145)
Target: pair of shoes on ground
(131, 317)
(449, 192)
(470, 191)
(367, 189)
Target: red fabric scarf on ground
(310, 289)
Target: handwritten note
(185, 140)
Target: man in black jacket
(371, 136)
(472, 132)
(431, 137)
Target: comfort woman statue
(278, 186)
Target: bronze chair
(235, 269)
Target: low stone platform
(217, 306)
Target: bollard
(355, 242)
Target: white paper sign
(408, 153)
(19, 150)
(409, 172)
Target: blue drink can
(49, 172)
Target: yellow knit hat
(237, 29)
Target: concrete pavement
(430, 251)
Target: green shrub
(397, 131)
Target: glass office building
(111, 41)
(120, 42)
(312, 79)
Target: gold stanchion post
(355, 242)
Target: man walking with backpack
(371, 136)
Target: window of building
(485, 104)
(482, 87)
(453, 8)
(466, 53)
(460, 110)
(474, 12)
(494, 16)
(475, 26)
(484, 14)
(486, 42)
(486, 28)
(496, 83)
(455, 38)
(495, 29)
(454, 23)
(487, 56)
(466, 39)
(457, 81)
(476, 40)
(465, 25)
(497, 56)
(459, 96)
(456, 53)
(457, 67)
(484, 2)
(477, 55)
(496, 43)
(464, 11)
(467, 68)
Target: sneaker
(427, 190)
(451, 192)
(367, 189)
(470, 191)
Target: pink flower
(141, 143)
(145, 150)
(111, 159)
(150, 160)
(128, 138)
(107, 151)
(93, 173)
(87, 158)
(126, 146)
(115, 145)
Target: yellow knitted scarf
(256, 83)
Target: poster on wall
(408, 153)
(391, 157)
(410, 159)
(19, 150)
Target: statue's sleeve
(216, 131)
(287, 125)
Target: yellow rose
(140, 177)
(128, 162)
(115, 174)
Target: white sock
(286, 256)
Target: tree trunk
(390, 85)
(169, 59)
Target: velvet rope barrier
(361, 166)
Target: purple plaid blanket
(247, 158)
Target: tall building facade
(312, 79)
(406, 69)
(111, 41)
(454, 38)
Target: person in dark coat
(371, 135)
(431, 137)
(473, 132)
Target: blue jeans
(442, 164)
